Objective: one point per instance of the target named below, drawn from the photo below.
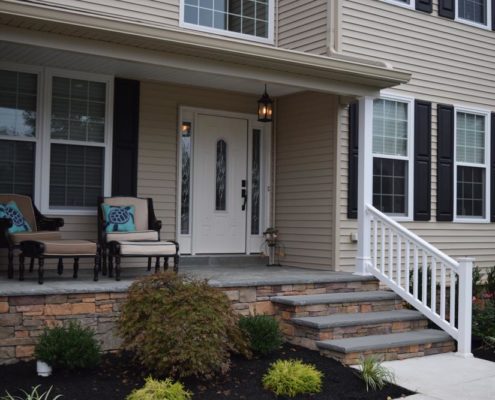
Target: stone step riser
(392, 353)
(288, 312)
(307, 333)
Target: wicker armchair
(147, 226)
(43, 228)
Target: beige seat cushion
(25, 207)
(69, 247)
(137, 235)
(40, 236)
(140, 209)
(147, 248)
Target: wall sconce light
(265, 108)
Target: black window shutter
(125, 137)
(492, 168)
(446, 8)
(352, 190)
(493, 15)
(422, 160)
(445, 163)
(424, 5)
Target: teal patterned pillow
(118, 218)
(12, 212)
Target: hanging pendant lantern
(265, 108)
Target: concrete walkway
(445, 377)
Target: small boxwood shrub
(160, 390)
(180, 327)
(292, 377)
(263, 332)
(72, 346)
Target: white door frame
(253, 242)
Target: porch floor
(218, 276)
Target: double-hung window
(19, 122)
(247, 19)
(475, 12)
(55, 137)
(392, 149)
(404, 3)
(471, 165)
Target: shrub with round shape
(263, 332)
(292, 377)
(180, 327)
(160, 390)
(72, 346)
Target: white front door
(219, 183)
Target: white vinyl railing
(434, 283)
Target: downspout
(334, 36)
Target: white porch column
(365, 184)
(465, 307)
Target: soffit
(338, 74)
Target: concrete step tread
(356, 319)
(335, 298)
(378, 342)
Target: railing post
(365, 184)
(465, 307)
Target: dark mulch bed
(117, 377)
(485, 353)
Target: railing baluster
(442, 290)
(424, 270)
(433, 300)
(391, 255)
(375, 240)
(415, 273)
(399, 259)
(452, 298)
(382, 257)
(407, 261)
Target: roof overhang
(83, 33)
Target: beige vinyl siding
(305, 137)
(302, 25)
(451, 63)
(152, 12)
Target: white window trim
(223, 32)
(39, 118)
(489, 21)
(486, 165)
(46, 139)
(411, 5)
(410, 154)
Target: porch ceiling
(166, 54)
(49, 57)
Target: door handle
(244, 196)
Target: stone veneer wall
(23, 318)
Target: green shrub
(71, 346)
(484, 320)
(180, 327)
(34, 395)
(263, 332)
(490, 281)
(477, 284)
(292, 377)
(160, 390)
(374, 374)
